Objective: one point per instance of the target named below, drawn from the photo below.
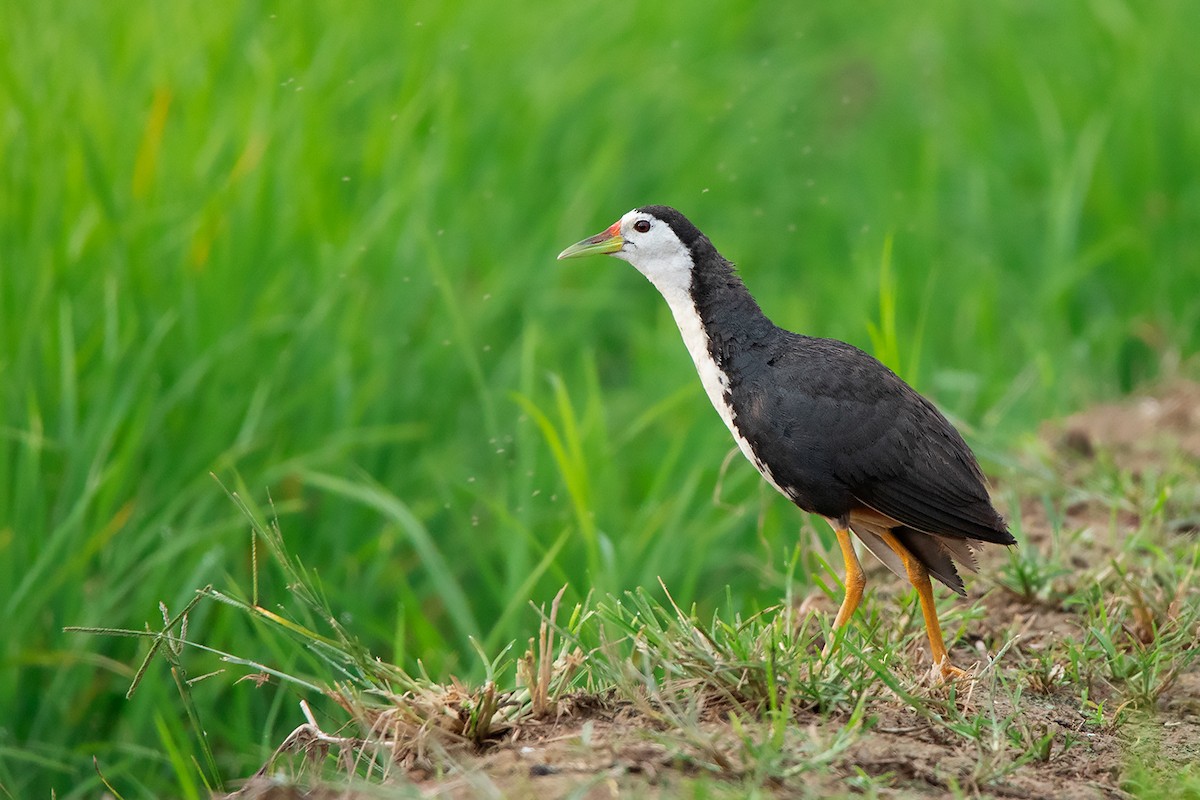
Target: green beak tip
(602, 243)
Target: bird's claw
(945, 672)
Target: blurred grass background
(311, 250)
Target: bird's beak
(608, 241)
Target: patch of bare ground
(1137, 433)
(1052, 716)
(1113, 459)
(612, 750)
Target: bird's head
(657, 240)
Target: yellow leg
(855, 581)
(918, 576)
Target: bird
(826, 424)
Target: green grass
(311, 252)
(739, 703)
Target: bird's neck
(723, 329)
(719, 321)
(731, 317)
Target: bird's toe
(945, 672)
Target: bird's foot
(945, 672)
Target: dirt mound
(1137, 432)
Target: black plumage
(836, 427)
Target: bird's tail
(937, 553)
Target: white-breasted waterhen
(829, 426)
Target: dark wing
(920, 471)
(861, 436)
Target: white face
(655, 251)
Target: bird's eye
(642, 226)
